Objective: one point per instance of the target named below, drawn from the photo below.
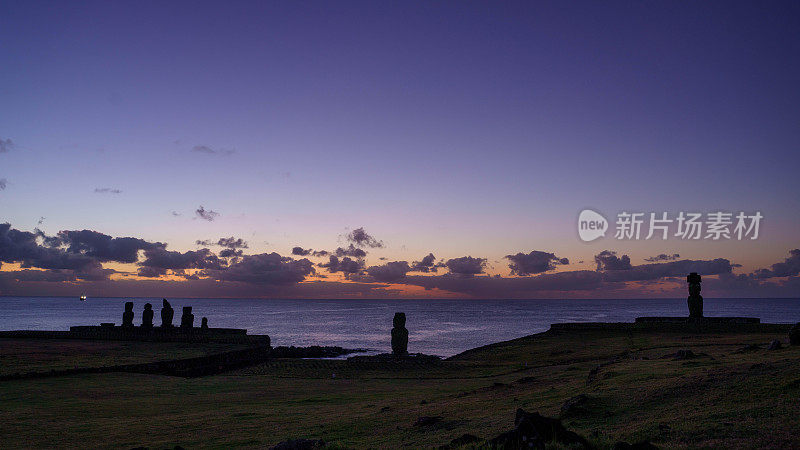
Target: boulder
(535, 431)
(643, 445)
(299, 444)
(426, 421)
(775, 345)
(464, 439)
(574, 405)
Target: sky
(473, 131)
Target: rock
(464, 439)
(749, 348)
(681, 355)
(574, 405)
(775, 345)
(399, 335)
(794, 334)
(299, 444)
(643, 445)
(426, 421)
(535, 431)
(166, 314)
(127, 316)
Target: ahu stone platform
(115, 333)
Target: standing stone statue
(204, 324)
(166, 314)
(187, 319)
(695, 299)
(127, 316)
(147, 317)
(399, 335)
(794, 334)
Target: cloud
(231, 242)
(345, 265)
(320, 253)
(205, 214)
(389, 272)
(205, 149)
(6, 145)
(102, 246)
(230, 253)
(789, 267)
(176, 214)
(159, 260)
(608, 260)
(361, 238)
(107, 191)
(655, 271)
(427, 264)
(264, 268)
(23, 247)
(41, 221)
(3, 184)
(516, 287)
(534, 262)
(351, 251)
(28, 275)
(466, 265)
(663, 257)
(300, 251)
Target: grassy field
(724, 397)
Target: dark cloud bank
(71, 262)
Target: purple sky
(463, 129)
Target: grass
(719, 399)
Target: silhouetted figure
(695, 299)
(204, 324)
(399, 335)
(166, 314)
(127, 316)
(187, 319)
(794, 334)
(147, 317)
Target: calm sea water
(438, 327)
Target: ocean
(437, 327)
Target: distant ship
(83, 298)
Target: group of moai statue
(167, 313)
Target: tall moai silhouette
(399, 335)
(166, 314)
(187, 319)
(695, 299)
(147, 317)
(127, 316)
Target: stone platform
(678, 324)
(156, 334)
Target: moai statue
(127, 316)
(187, 319)
(399, 335)
(204, 324)
(695, 299)
(794, 334)
(166, 314)
(147, 317)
